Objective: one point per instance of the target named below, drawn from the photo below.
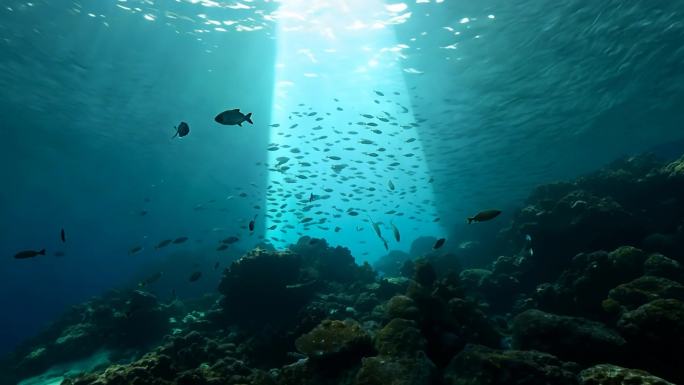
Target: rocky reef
(594, 296)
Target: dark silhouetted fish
(135, 250)
(439, 243)
(251, 223)
(182, 130)
(483, 216)
(195, 276)
(163, 243)
(233, 117)
(395, 230)
(62, 236)
(180, 240)
(230, 240)
(28, 254)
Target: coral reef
(598, 283)
(569, 338)
(616, 375)
(481, 365)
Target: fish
(151, 279)
(230, 240)
(135, 250)
(395, 230)
(384, 242)
(216, 265)
(311, 197)
(195, 276)
(390, 185)
(163, 243)
(376, 228)
(182, 130)
(180, 240)
(483, 216)
(28, 254)
(222, 247)
(233, 117)
(439, 243)
(251, 223)
(62, 236)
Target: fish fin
(470, 220)
(248, 118)
(175, 128)
(42, 252)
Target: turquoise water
(472, 104)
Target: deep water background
(541, 92)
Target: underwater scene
(342, 192)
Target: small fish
(384, 242)
(311, 197)
(195, 276)
(151, 279)
(483, 216)
(375, 227)
(390, 185)
(439, 243)
(163, 243)
(230, 240)
(180, 240)
(28, 254)
(222, 247)
(135, 250)
(251, 223)
(233, 117)
(395, 230)
(62, 236)
(182, 130)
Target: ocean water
(412, 114)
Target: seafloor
(598, 300)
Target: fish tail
(248, 118)
(42, 252)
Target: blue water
(494, 98)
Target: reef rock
(662, 266)
(655, 333)
(616, 375)
(383, 370)
(481, 365)
(570, 338)
(399, 337)
(583, 286)
(401, 306)
(264, 288)
(642, 290)
(334, 338)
